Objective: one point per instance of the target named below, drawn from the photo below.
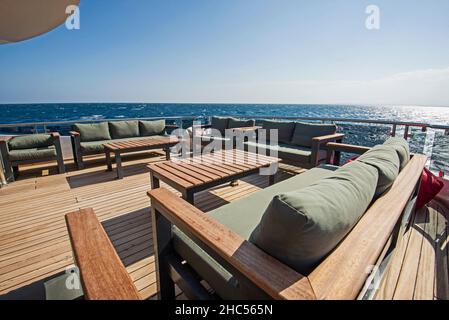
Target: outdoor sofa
(299, 143)
(317, 235)
(89, 138)
(27, 149)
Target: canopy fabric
(24, 19)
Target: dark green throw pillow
(304, 132)
(284, 129)
(124, 129)
(30, 141)
(301, 227)
(235, 123)
(151, 128)
(220, 124)
(92, 131)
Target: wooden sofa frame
(11, 167)
(76, 146)
(341, 275)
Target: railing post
(393, 130)
(406, 132)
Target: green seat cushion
(32, 154)
(304, 132)
(386, 160)
(402, 148)
(285, 151)
(220, 124)
(95, 147)
(151, 128)
(30, 141)
(301, 227)
(124, 129)
(92, 131)
(236, 123)
(241, 216)
(284, 129)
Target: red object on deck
(430, 187)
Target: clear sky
(272, 51)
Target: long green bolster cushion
(402, 148)
(301, 227)
(32, 154)
(30, 141)
(220, 124)
(284, 129)
(151, 128)
(304, 132)
(386, 160)
(235, 123)
(92, 131)
(124, 129)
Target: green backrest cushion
(30, 141)
(301, 227)
(285, 130)
(124, 129)
(151, 128)
(385, 159)
(304, 132)
(236, 123)
(220, 124)
(92, 131)
(402, 148)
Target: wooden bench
(103, 275)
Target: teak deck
(34, 242)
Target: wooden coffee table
(120, 147)
(198, 173)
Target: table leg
(154, 181)
(167, 153)
(108, 160)
(118, 163)
(188, 196)
(234, 183)
(271, 179)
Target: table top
(199, 170)
(141, 143)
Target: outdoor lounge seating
(313, 236)
(299, 143)
(29, 149)
(88, 139)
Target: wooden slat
(102, 273)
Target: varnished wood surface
(102, 272)
(141, 144)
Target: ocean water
(360, 134)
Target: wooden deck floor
(34, 244)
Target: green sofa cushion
(124, 129)
(151, 128)
(95, 147)
(402, 148)
(32, 154)
(30, 141)
(220, 124)
(235, 123)
(385, 159)
(241, 216)
(92, 131)
(285, 130)
(304, 132)
(301, 227)
(286, 151)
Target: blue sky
(273, 51)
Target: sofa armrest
(276, 279)
(103, 275)
(5, 138)
(343, 147)
(55, 135)
(74, 133)
(317, 142)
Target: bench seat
(32, 153)
(231, 215)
